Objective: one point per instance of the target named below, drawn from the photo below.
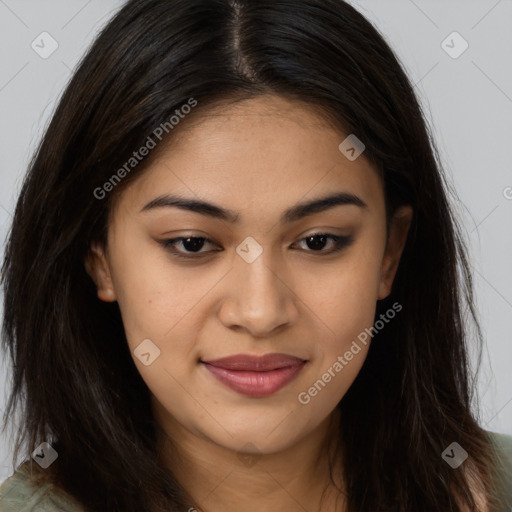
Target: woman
(232, 278)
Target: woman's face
(259, 285)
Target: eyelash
(340, 243)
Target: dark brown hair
(72, 370)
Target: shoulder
(502, 445)
(20, 493)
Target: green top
(19, 494)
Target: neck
(220, 480)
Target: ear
(398, 230)
(97, 266)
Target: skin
(258, 157)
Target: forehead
(258, 154)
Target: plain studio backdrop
(458, 55)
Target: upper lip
(248, 362)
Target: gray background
(467, 101)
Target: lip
(255, 376)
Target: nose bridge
(259, 280)
(259, 299)
(254, 265)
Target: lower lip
(255, 384)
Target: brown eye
(317, 241)
(191, 245)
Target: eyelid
(168, 245)
(340, 241)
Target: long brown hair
(72, 370)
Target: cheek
(157, 301)
(343, 302)
(345, 296)
(343, 340)
(154, 295)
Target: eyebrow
(293, 214)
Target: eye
(317, 242)
(192, 245)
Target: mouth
(255, 376)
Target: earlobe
(398, 231)
(98, 268)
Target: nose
(258, 299)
